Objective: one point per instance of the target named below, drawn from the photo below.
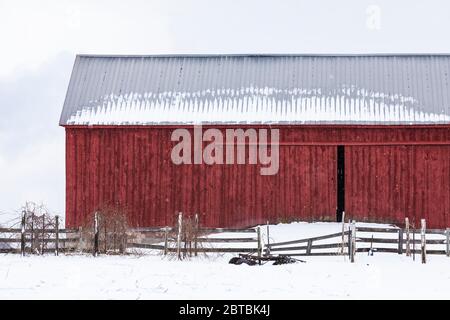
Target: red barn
(368, 134)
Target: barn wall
(131, 167)
(389, 183)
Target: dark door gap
(340, 183)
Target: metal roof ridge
(216, 55)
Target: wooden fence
(53, 240)
(159, 239)
(402, 240)
(361, 239)
(197, 239)
(167, 239)
(349, 241)
(66, 240)
(308, 245)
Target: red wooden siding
(389, 183)
(132, 168)
(390, 172)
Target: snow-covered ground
(151, 276)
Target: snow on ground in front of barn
(150, 276)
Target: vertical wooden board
(217, 201)
(419, 193)
(367, 157)
(95, 167)
(244, 185)
(371, 190)
(149, 186)
(257, 190)
(390, 180)
(286, 177)
(235, 215)
(141, 171)
(165, 181)
(207, 185)
(136, 182)
(79, 162)
(204, 200)
(444, 181)
(446, 177)
(303, 182)
(310, 173)
(70, 179)
(166, 204)
(76, 180)
(312, 168)
(350, 180)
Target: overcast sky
(39, 40)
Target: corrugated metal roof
(247, 89)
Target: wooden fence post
(56, 235)
(196, 234)
(80, 238)
(22, 234)
(95, 252)
(114, 235)
(423, 242)
(43, 234)
(349, 242)
(32, 233)
(268, 240)
(166, 236)
(106, 240)
(447, 235)
(180, 229)
(258, 231)
(343, 232)
(308, 247)
(400, 241)
(408, 246)
(352, 257)
(370, 253)
(414, 243)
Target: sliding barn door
(389, 183)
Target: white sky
(40, 38)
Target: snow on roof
(252, 89)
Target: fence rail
(328, 236)
(200, 229)
(394, 250)
(317, 246)
(401, 242)
(50, 240)
(157, 238)
(18, 230)
(185, 250)
(396, 230)
(395, 241)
